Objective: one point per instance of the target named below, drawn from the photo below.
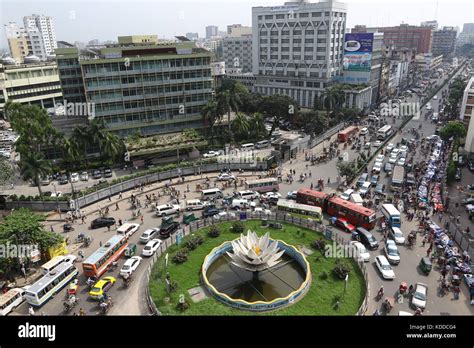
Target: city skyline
(212, 12)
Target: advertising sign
(358, 52)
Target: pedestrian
(141, 219)
(458, 219)
(423, 242)
(108, 228)
(329, 180)
(456, 291)
(120, 222)
(81, 312)
(116, 206)
(428, 251)
(100, 243)
(31, 311)
(51, 228)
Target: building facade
(238, 30)
(444, 42)
(237, 53)
(70, 74)
(427, 61)
(211, 30)
(297, 48)
(148, 88)
(467, 115)
(467, 34)
(42, 34)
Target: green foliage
(455, 129)
(182, 305)
(319, 244)
(324, 275)
(340, 270)
(237, 227)
(194, 242)
(181, 256)
(6, 172)
(346, 169)
(214, 231)
(450, 172)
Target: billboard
(358, 52)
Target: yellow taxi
(101, 286)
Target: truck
(397, 178)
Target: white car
(262, 212)
(364, 188)
(377, 143)
(74, 177)
(420, 295)
(347, 194)
(435, 97)
(401, 162)
(130, 266)
(389, 147)
(167, 209)
(364, 131)
(270, 195)
(391, 252)
(149, 234)
(395, 152)
(225, 177)
(392, 159)
(128, 229)
(384, 267)
(210, 154)
(84, 176)
(151, 247)
(379, 158)
(367, 145)
(362, 253)
(223, 215)
(404, 148)
(397, 235)
(377, 167)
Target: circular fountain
(256, 273)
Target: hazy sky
(106, 19)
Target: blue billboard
(358, 52)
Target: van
(240, 203)
(195, 204)
(373, 118)
(356, 198)
(211, 194)
(128, 229)
(435, 116)
(249, 146)
(262, 144)
(366, 238)
(249, 195)
(167, 209)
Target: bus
(345, 134)
(384, 132)
(335, 206)
(262, 185)
(295, 209)
(55, 261)
(397, 178)
(96, 264)
(10, 300)
(50, 284)
(392, 215)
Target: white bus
(249, 146)
(312, 212)
(384, 132)
(10, 300)
(262, 185)
(50, 284)
(55, 261)
(392, 215)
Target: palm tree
(71, 155)
(112, 145)
(211, 114)
(229, 101)
(334, 98)
(257, 125)
(34, 166)
(97, 134)
(241, 125)
(82, 137)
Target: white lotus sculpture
(255, 253)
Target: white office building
(467, 115)
(42, 34)
(298, 48)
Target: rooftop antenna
(436, 10)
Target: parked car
(363, 178)
(107, 173)
(63, 179)
(458, 175)
(151, 247)
(364, 188)
(96, 174)
(84, 176)
(397, 235)
(384, 267)
(391, 252)
(210, 154)
(225, 177)
(374, 180)
(45, 180)
(74, 177)
(388, 167)
(389, 148)
(380, 189)
(379, 158)
(420, 295)
(377, 167)
(377, 143)
(167, 230)
(210, 211)
(102, 222)
(130, 266)
(346, 194)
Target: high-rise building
(402, 36)
(137, 86)
(467, 34)
(192, 36)
(211, 30)
(42, 29)
(432, 24)
(237, 54)
(297, 48)
(238, 30)
(444, 41)
(467, 115)
(18, 41)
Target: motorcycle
(70, 303)
(105, 305)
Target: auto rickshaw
(130, 250)
(425, 265)
(188, 218)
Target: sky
(85, 20)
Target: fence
(280, 217)
(461, 238)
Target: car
(262, 212)
(435, 97)
(377, 167)
(101, 287)
(410, 179)
(45, 180)
(211, 154)
(380, 189)
(96, 174)
(224, 215)
(433, 137)
(466, 201)
(291, 195)
(130, 266)
(363, 178)
(84, 176)
(367, 145)
(397, 235)
(210, 211)
(361, 251)
(63, 179)
(404, 148)
(270, 197)
(384, 267)
(377, 143)
(395, 152)
(401, 162)
(461, 161)
(471, 166)
(167, 229)
(392, 159)
(374, 179)
(458, 175)
(389, 148)
(151, 247)
(420, 295)
(364, 131)
(149, 234)
(391, 252)
(225, 177)
(428, 107)
(388, 167)
(379, 158)
(344, 224)
(102, 222)
(364, 188)
(347, 194)
(107, 173)
(167, 209)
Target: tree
(6, 171)
(34, 166)
(334, 99)
(82, 137)
(278, 107)
(455, 129)
(257, 126)
(211, 113)
(229, 101)
(241, 126)
(346, 169)
(314, 122)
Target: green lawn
(319, 300)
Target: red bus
(356, 214)
(344, 135)
(97, 263)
